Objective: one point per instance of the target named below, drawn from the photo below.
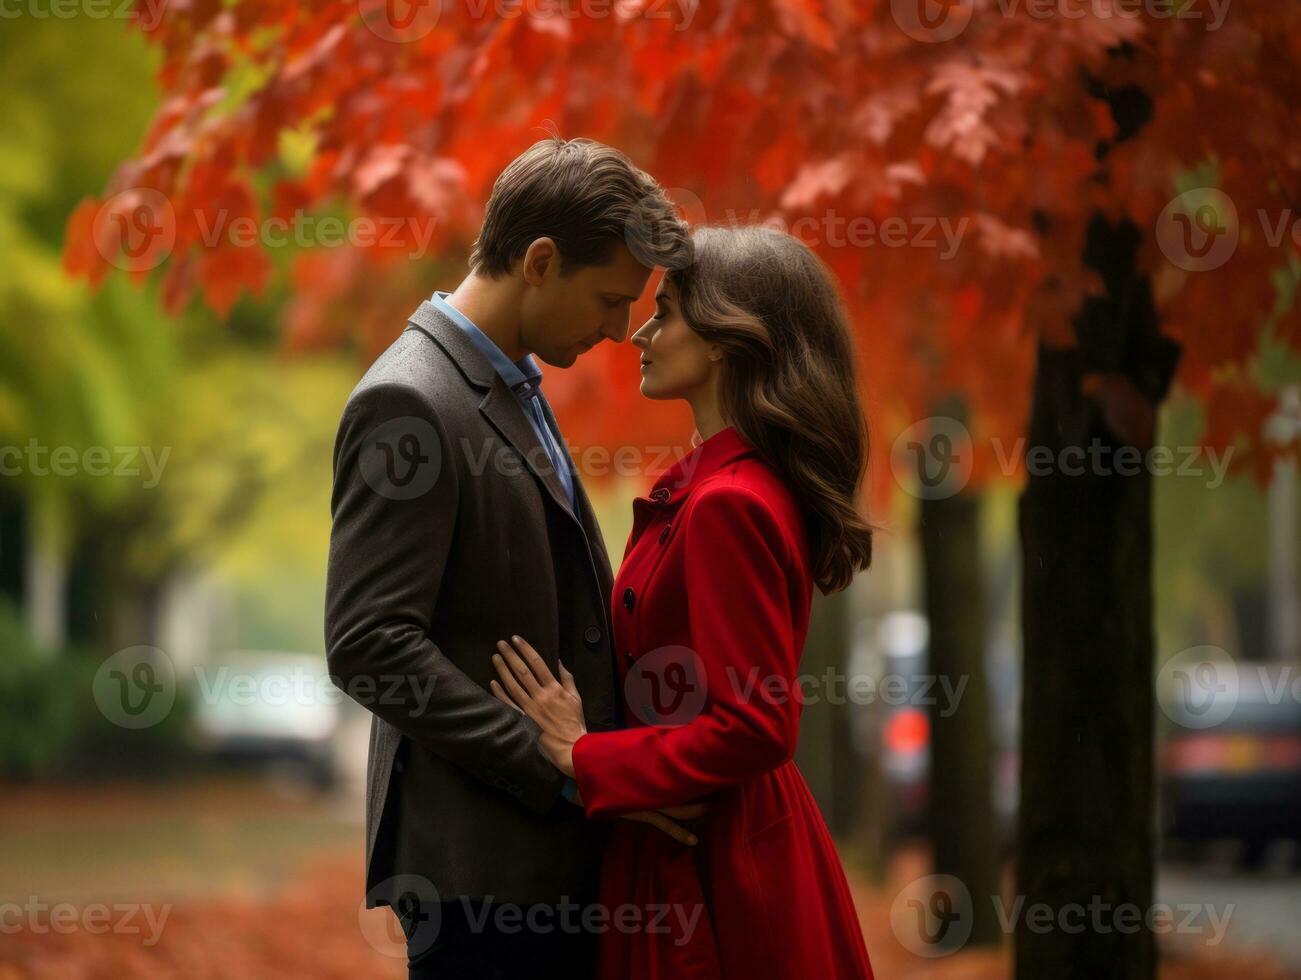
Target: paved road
(1262, 910)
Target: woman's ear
(715, 353)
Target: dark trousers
(475, 940)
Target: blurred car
(897, 650)
(905, 727)
(1230, 768)
(271, 710)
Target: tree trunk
(13, 546)
(1283, 612)
(1087, 822)
(825, 753)
(960, 813)
(45, 582)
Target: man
(459, 521)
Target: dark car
(1231, 763)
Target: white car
(269, 708)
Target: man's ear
(539, 259)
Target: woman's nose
(642, 338)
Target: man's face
(565, 316)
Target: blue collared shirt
(524, 378)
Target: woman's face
(676, 362)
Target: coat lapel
(503, 410)
(596, 541)
(677, 482)
(582, 503)
(499, 406)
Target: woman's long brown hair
(788, 381)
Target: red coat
(711, 607)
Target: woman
(710, 612)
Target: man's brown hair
(586, 197)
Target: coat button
(629, 598)
(661, 496)
(592, 635)
(627, 654)
(664, 535)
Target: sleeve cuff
(584, 764)
(569, 790)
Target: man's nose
(617, 329)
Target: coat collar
(716, 452)
(499, 405)
(478, 370)
(514, 373)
